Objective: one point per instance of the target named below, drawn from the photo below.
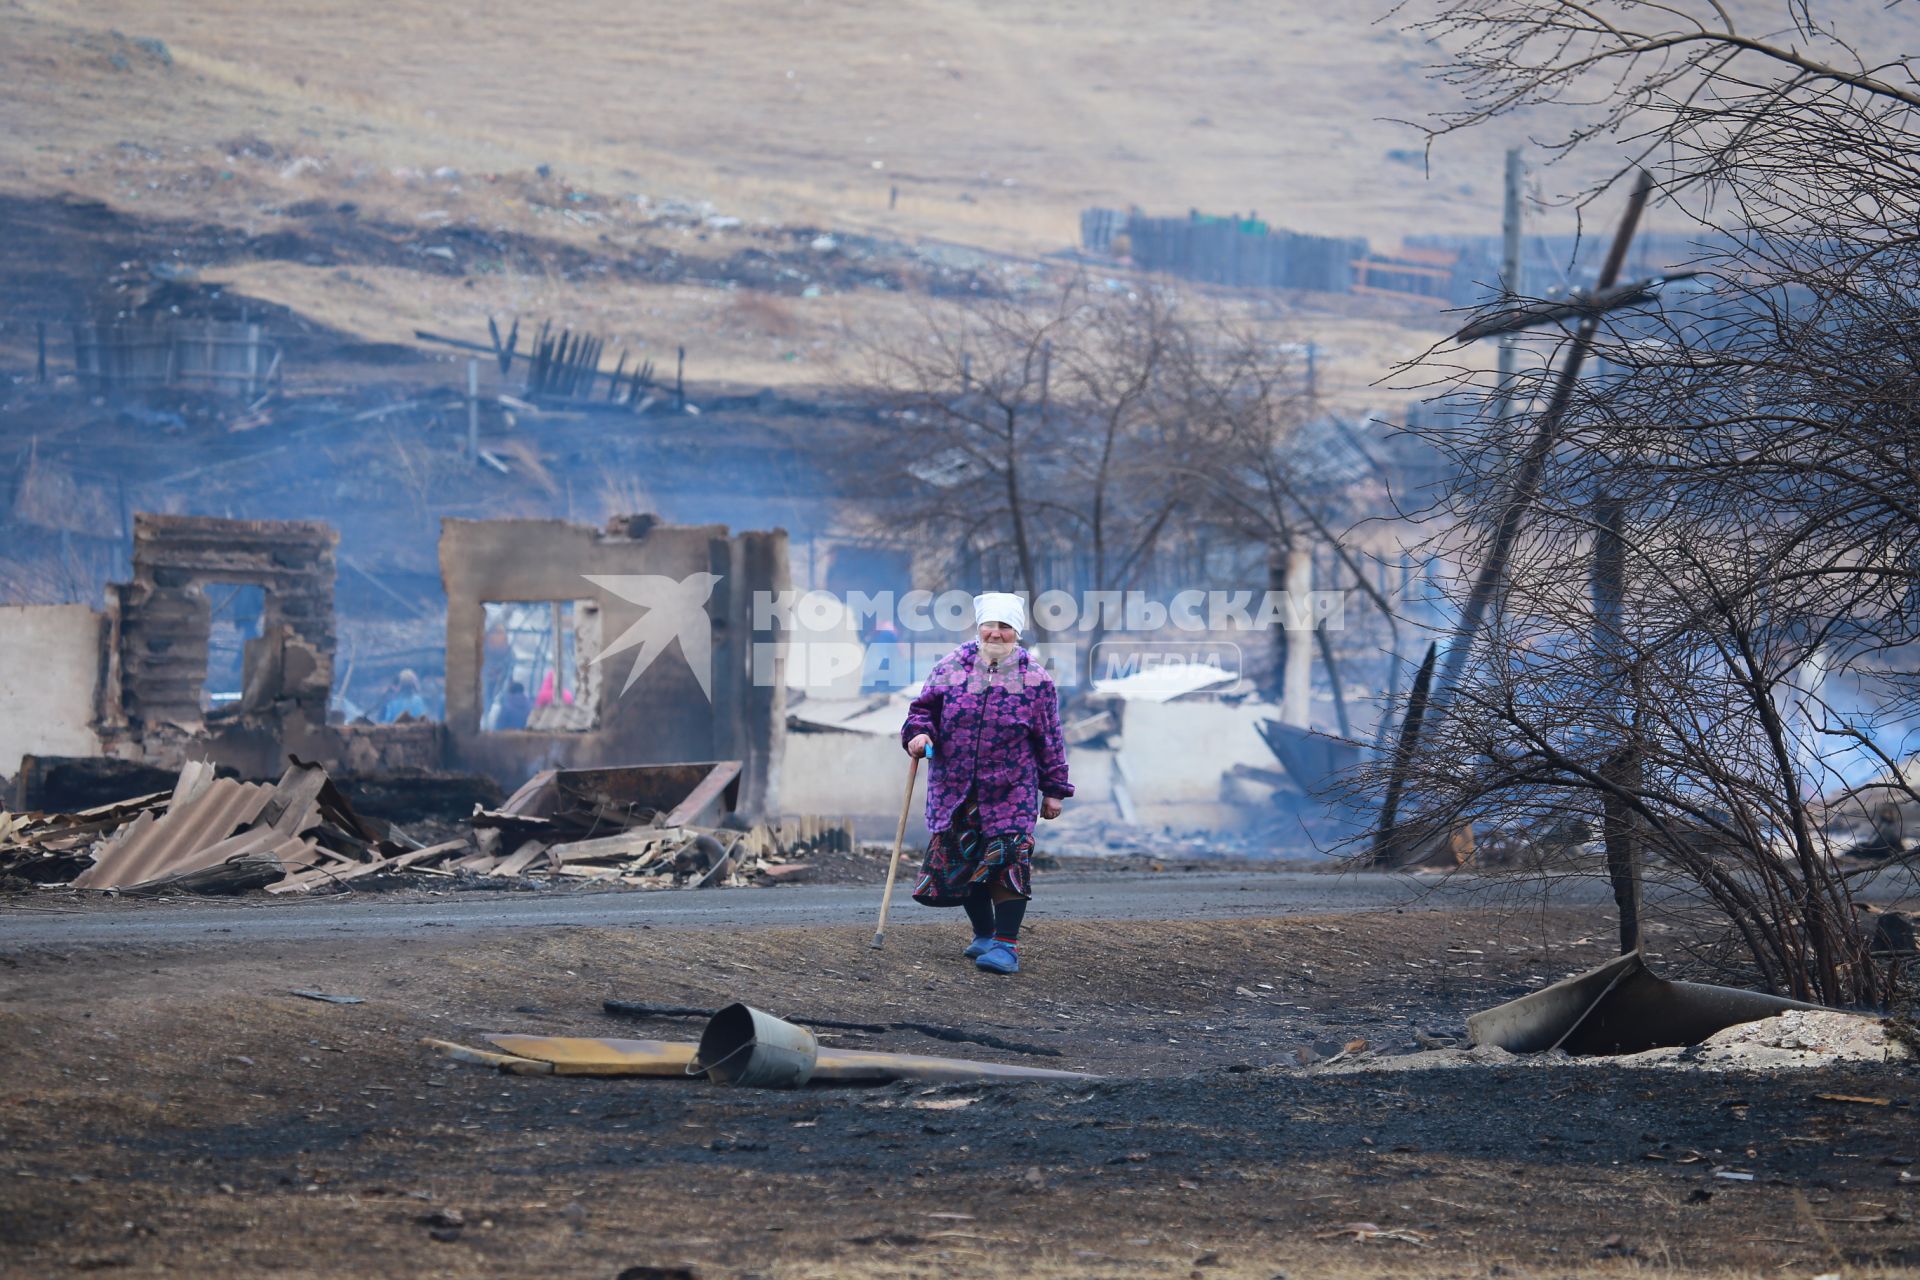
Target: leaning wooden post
(253, 357)
(1533, 464)
(1511, 272)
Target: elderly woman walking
(992, 718)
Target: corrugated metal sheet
(264, 846)
(151, 848)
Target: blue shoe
(999, 957)
(977, 947)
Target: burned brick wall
(160, 628)
(615, 579)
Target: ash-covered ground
(176, 1110)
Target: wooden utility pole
(1488, 583)
(1296, 673)
(473, 410)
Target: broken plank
(353, 871)
(104, 817)
(705, 793)
(624, 847)
(535, 798)
(519, 860)
(481, 1058)
(432, 853)
(517, 823)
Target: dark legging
(1000, 919)
(979, 905)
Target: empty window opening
(236, 612)
(536, 668)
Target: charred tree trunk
(1619, 822)
(1620, 830)
(1273, 688)
(1387, 839)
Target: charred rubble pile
(661, 826)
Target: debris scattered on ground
(326, 997)
(217, 835)
(629, 1009)
(636, 826)
(639, 826)
(1367, 1232)
(1621, 1014)
(731, 1036)
(1798, 1039)
(42, 848)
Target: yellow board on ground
(585, 1056)
(579, 1056)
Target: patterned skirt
(962, 858)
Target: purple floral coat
(996, 732)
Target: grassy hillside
(996, 120)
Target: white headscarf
(1000, 606)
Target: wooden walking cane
(893, 863)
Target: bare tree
(1250, 400)
(1042, 432)
(1710, 619)
(1127, 441)
(1102, 426)
(964, 397)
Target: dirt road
(1118, 897)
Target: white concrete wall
(852, 775)
(1091, 772)
(49, 674)
(1175, 752)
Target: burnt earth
(173, 1109)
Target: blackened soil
(175, 1109)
